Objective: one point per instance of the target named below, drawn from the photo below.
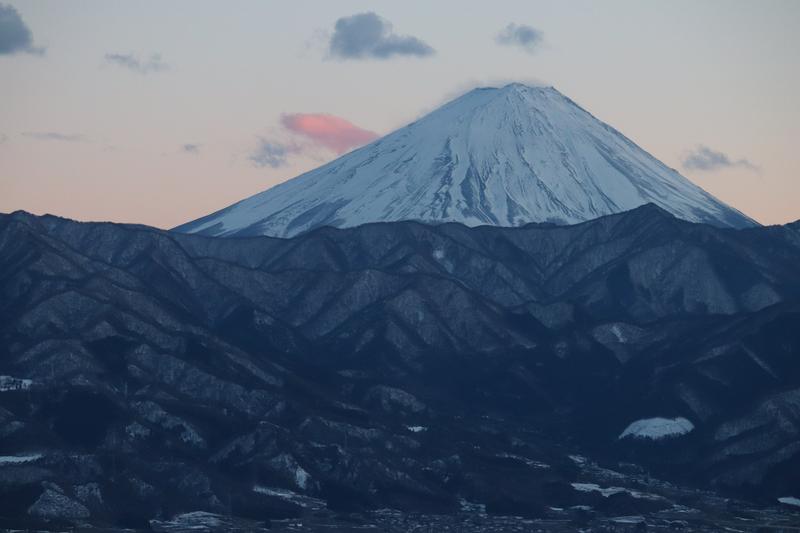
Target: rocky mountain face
(539, 371)
(499, 156)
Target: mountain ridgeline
(498, 156)
(431, 368)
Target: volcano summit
(499, 156)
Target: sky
(160, 112)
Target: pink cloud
(329, 131)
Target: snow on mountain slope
(502, 156)
(658, 428)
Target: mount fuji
(499, 156)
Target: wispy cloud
(191, 148)
(305, 134)
(15, 36)
(463, 87)
(142, 66)
(368, 36)
(54, 136)
(526, 37)
(707, 159)
(329, 131)
(270, 153)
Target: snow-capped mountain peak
(502, 156)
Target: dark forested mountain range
(634, 364)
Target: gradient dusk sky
(159, 112)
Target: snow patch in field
(658, 428)
(288, 495)
(594, 487)
(628, 519)
(198, 520)
(274, 491)
(790, 500)
(301, 477)
(8, 383)
(203, 521)
(19, 459)
(610, 491)
(529, 462)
